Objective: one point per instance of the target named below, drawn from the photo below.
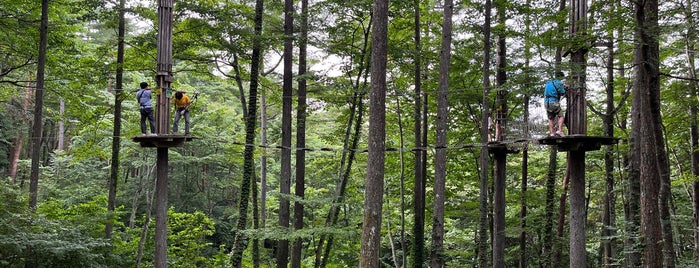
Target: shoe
(152, 134)
(143, 134)
(560, 133)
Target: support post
(161, 208)
(163, 78)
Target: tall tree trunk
(300, 136)
(550, 207)
(693, 129)
(373, 196)
(418, 245)
(38, 106)
(609, 215)
(255, 225)
(240, 241)
(239, 82)
(440, 158)
(401, 188)
(632, 191)
(285, 176)
(483, 203)
(523, 195)
(646, 59)
(500, 156)
(116, 136)
(263, 160)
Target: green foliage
(62, 239)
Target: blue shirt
(144, 98)
(553, 91)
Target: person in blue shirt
(553, 91)
(146, 107)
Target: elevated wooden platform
(578, 142)
(497, 147)
(162, 140)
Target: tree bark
(373, 197)
(646, 59)
(300, 136)
(285, 176)
(116, 136)
(38, 107)
(440, 158)
(240, 241)
(609, 215)
(693, 129)
(418, 247)
(483, 203)
(500, 157)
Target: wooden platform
(162, 140)
(579, 142)
(496, 147)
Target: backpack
(138, 96)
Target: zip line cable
(512, 143)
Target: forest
(349, 133)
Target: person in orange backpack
(182, 103)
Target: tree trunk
(300, 136)
(646, 59)
(263, 161)
(440, 158)
(418, 245)
(548, 239)
(38, 107)
(523, 195)
(373, 197)
(693, 132)
(240, 241)
(483, 203)
(116, 136)
(285, 176)
(609, 215)
(500, 156)
(401, 189)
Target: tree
(483, 204)
(440, 159)
(38, 105)
(285, 176)
(373, 196)
(418, 247)
(116, 139)
(300, 136)
(646, 58)
(240, 241)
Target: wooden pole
(577, 125)
(163, 78)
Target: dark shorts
(553, 109)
